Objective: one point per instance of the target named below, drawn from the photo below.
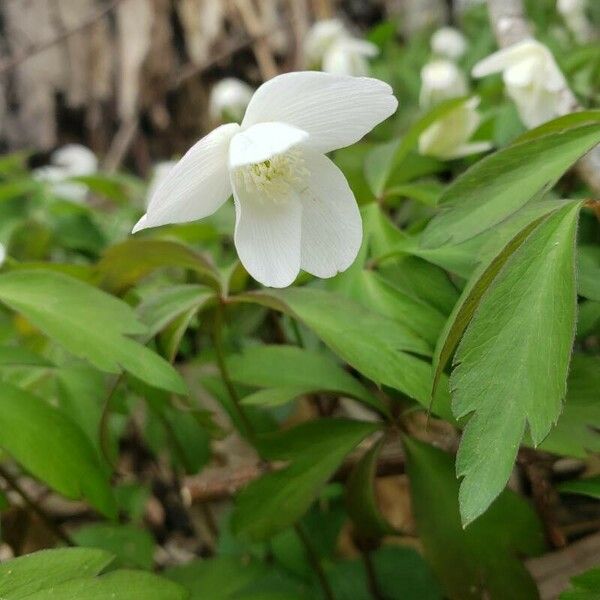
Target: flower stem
(313, 559)
(35, 507)
(222, 364)
(311, 554)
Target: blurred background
(131, 79)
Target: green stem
(315, 562)
(372, 582)
(222, 364)
(312, 555)
(35, 507)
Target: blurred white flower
(330, 45)
(449, 136)
(159, 174)
(574, 15)
(2, 254)
(229, 99)
(294, 207)
(532, 78)
(72, 160)
(441, 80)
(448, 42)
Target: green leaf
(379, 293)
(228, 578)
(49, 445)
(589, 272)
(400, 571)
(89, 323)
(512, 362)
(470, 299)
(162, 307)
(123, 265)
(480, 561)
(361, 499)
(497, 186)
(18, 356)
(585, 586)
(292, 367)
(576, 433)
(277, 396)
(278, 499)
(26, 575)
(374, 345)
(590, 486)
(117, 585)
(384, 159)
(132, 547)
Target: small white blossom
(2, 254)
(441, 80)
(229, 99)
(448, 137)
(330, 45)
(448, 42)
(294, 207)
(532, 78)
(72, 160)
(574, 14)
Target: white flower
(448, 42)
(574, 14)
(330, 45)
(532, 79)
(448, 137)
(2, 254)
(159, 174)
(441, 80)
(294, 208)
(229, 99)
(72, 160)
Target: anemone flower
(294, 207)
(532, 78)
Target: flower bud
(575, 18)
(229, 99)
(72, 160)
(330, 46)
(448, 137)
(532, 78)
(448, 42)
(441, 80)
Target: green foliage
(278, 499)
(585, 586)
(502, 378)
(88, 323)
(75, 574)
(466, 563)
(508, 179)
(49, 445)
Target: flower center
(276, 178)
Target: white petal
(263, 141)
(197, 185)
(502, 59)
(267, 237)
(331, 223)
(335, 110)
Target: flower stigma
(276, 178)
